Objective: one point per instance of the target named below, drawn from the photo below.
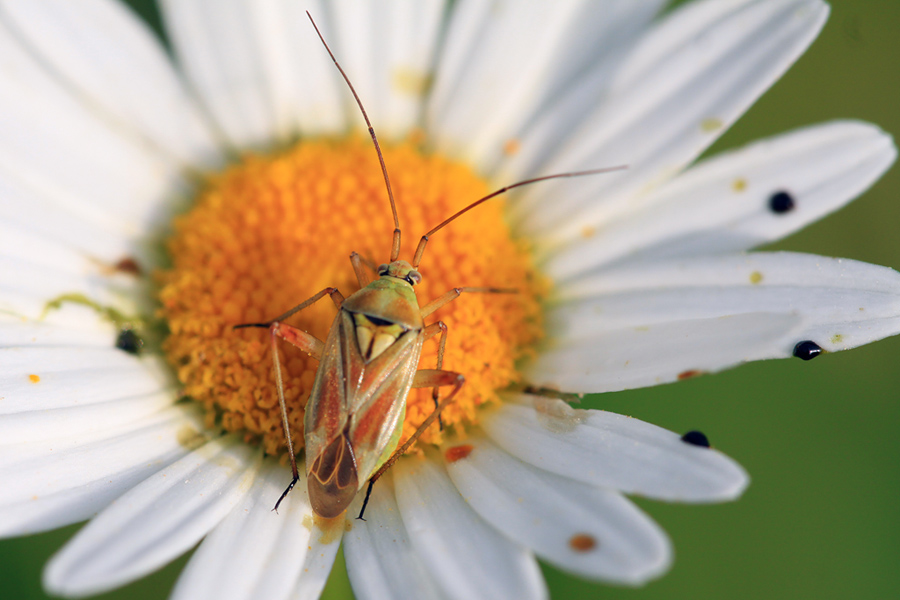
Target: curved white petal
(58, 377)
(85, 420)
(52, 144)
(580, 528)
(381, 561)
(723, 204)
(688, 80)
(258, 67)
(60, 481)
(502, 61)
(319, 558)
(33, 291)
(117, 66)
(387, 50)
(626, 319)
(86, 328)
(638, 356)
(155, 521)
(254, 552)
(613, 451)
(48, 223)
(467, 557)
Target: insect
(368, 363)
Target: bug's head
(400, 269)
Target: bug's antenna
(395, 244)
(420, 249)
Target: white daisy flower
(628, 279)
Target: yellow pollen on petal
(271, 231)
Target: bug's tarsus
(420, 249)
(287, 490)
(395, 243)
(245, 325)
(365, 503)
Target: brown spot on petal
(689, 373)
(588, 232)
(511, 147)
(455, 453)
(330, 529)
(756, 277)
(739, 184)
(582, 542)
(128, 266)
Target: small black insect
(129, 341)
(781, 202)
(807, 350)
(695, 438)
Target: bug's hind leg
(424, 378)
(306, 342)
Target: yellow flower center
(270, 232)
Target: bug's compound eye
(414, 277)
(382, 270)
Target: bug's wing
(331, 473)
(378, 407)
(353, 412)
(332, 479)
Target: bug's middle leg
(432, 330)
(424, 378)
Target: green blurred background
(821, 518)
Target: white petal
(88, 329)
(381, 561)
(690, 79)
(155, 521)
(387, 50)
(68, 377)
(57, 482)
(258, 67)
(633, 313)
(116, 64)
(255, 552)
(502, 61)
(466, 556)
(63, 151)
(722, 204)
(638, 356)
(85, 420)
(49, 219)
(29, 289)
(580, 528)
(604, 44)
(613, 451)
(319, 557)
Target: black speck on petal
(807, 350)
(695, 438)
(781, 202)
(129, 341)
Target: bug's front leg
(364, 269)
(424, 378)
(456, 292)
